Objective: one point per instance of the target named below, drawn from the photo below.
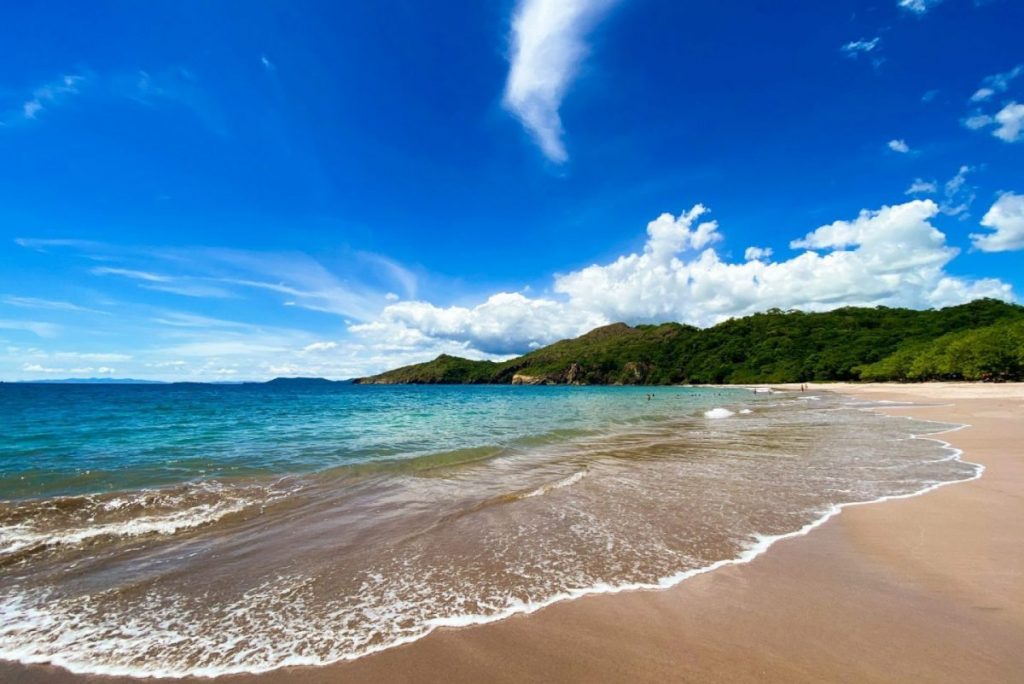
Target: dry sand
(926, 589)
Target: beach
(925, 588)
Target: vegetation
(983, 340)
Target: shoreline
(613, 620)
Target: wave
(30, 526)
(564, 482)
(718, 412)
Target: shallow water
(205, 530)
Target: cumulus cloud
(1011, 120)
(855, 48)
(1006, 219)
(918, 6)
(900, 145)
(757, 253)
(892, 256)
(548, 46)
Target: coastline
(929, 587)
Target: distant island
(979, 341)
(277, 382)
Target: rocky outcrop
(522, 379)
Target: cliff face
(774, 346)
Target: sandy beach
(929, 588)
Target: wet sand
(929, 588)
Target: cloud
(132, 274)
(547, 46)
(921, 186)
(982, 94)
(855, 48)
(47, 305)
(267, 64)
(899, 145)
(757, 253)
(320, 346)
(929, 95)
(38, 328)
(891, 256)
(918, 7)
(1006, 219)
(958, 194)
(1010, 119)
(48, 95)
(998, 83)
(212, 272)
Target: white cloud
(38, 328)
(320, 346)
(267, 64)
(1011, 120)
(132, 274)
(918, 6)
(46, 304)
(929, 95)
(978, 121)
(899, 145)
(982, 94)
(999, 83)
(757, 253)
(958, 195)
(36, 368)
(859, 47)
(93, 356)
(50, 94)
(1008, 121)
(1006, 218)
(892, 256)
(921, 186)
(547, 45)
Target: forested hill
(983, 340)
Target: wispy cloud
(921, 186)
(867, 48)
(46, 96)
(38, 328)
(918, 7)
(132, 274)
(547, 47)
(47, 305)
(855, 48)
(996, 83)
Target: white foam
(745, 411)
(718, 412)
(564, 482)
(14, 538)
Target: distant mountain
(93, 381)
(983, 340)
(301, 382)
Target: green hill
(983, 340)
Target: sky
(242, 190)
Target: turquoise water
(64, 439)
(181, 531)
(75, 439)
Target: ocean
(176, 530)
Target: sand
(925, 589)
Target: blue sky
(239, 190)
